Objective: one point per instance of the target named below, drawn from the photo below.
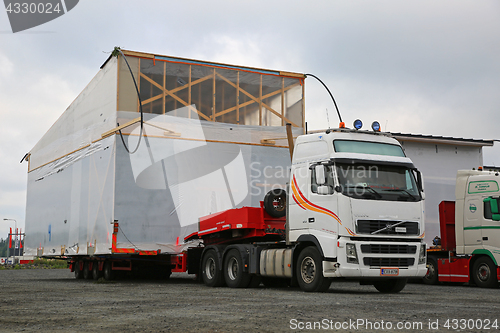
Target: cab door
(323, 203)
(490, 224)
(472, 221)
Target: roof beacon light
(376, 126)
(342, 124)
(358, 124)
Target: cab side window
(492, 208)
(329, 180)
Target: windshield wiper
(401, 190)
(371, 190)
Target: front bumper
(373, 256)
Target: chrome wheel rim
(308, 269)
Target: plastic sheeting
(197, 168)
(92, 113)
(80, 181)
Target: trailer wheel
(432, 272)
(390, 286)
(275, 203)
(108, 271)
(210, 270)
(87, 273)
(96, 273)
(234, 275)
(310, 271)
(484, 273)
(78, 271)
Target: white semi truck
(359, 200)
(354, 210)
(469, 247)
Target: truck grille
(371, 226)
(389, 262)
(388, 249)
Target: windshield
(377, 182)
(364, 147)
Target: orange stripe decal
(302, 201)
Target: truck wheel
(96, 273)
(210, 270)
(78, 271)
(275, 203)
(233, 270)
(390, 286)
(484, 273)
(432, 272)
(310, 271)
(87, 273)
(108, 271)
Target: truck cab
(477, 213)
(356, 196)
(468, 250)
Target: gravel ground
(46, 300)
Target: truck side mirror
(420, 184)
(323, 190)
(320, 175)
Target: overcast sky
(425, 67)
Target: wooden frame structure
(214, 92)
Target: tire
(484, 273)
(78, 271)
(390, 286)
(275, 203)
(432, 272)
(87, 273)
(108, 272)
(210, 270)
(310, 271)
(234, 275)
(96, 273)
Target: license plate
(389, 271)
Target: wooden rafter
(214, 115)
(170, 93)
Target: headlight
(352, 256)
(422, 255)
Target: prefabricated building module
(207, 137)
